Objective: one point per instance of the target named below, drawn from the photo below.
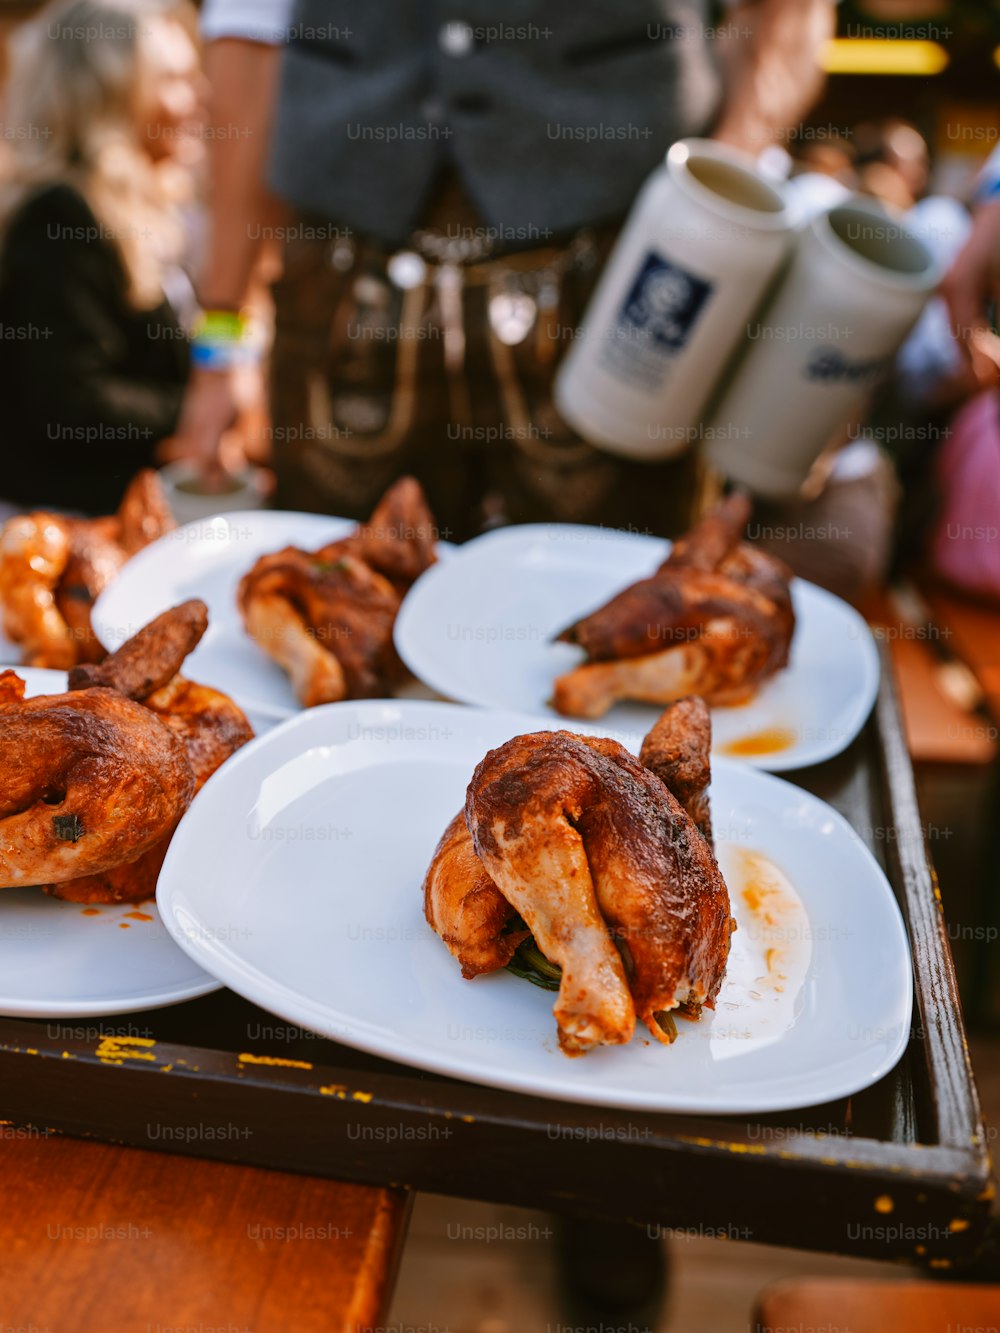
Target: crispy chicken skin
(34, 552)
(465, 907)
(306, 608)
(399, 538)
(713, 537)
(326, 617)
(210, 727)
(97, 779)
(91, 780)
(605, 866)
(281, 630)
(94, 558)
(678, 750)
(207, 722)
(715, 619)
(144, 513)
(52, 569)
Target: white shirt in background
(264, 21)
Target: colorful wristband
(221, 339)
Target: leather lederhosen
(438, 360)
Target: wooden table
(898, 1171)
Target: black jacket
(88, 384)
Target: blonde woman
(101, 112)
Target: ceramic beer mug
(855, 288)
(704, 239)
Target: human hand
(208, 411)
(970, 285)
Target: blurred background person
(892, 162)
(966, 475)
(93, 294)
(453, 191)
(831, 156)
(972, 286)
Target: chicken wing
(152, 657)
(713, 537)
(144, 514)
(399, 538)
(678, 749)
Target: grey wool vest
(552, 112)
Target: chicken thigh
(326, 617)
(715, 619)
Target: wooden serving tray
(898, 1171)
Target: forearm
(243, 76)
(773, 69)
(972, 285)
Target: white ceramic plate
(207, 559)
(68, 960)
(296, 877)
(479, 629)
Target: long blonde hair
(72, 96)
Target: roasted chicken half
(95, 780)
(327, 616)
(716, 619)
(599, 866)
(53, 568)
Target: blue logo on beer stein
(664, 302)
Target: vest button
(456, 38)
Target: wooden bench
(129, 1241)
(973, 634)
(877, 1307)
(937, 729)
